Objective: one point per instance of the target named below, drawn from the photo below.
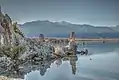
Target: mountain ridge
(50, 28)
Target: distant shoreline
(115, 40)
(98, 40)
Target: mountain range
(62, 29)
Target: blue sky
(95, 12)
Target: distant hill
(63, 28)
(116, 28)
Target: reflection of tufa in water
(72, 59)
(18, 71)
(58, 62)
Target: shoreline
(103, 40)
(61, 38)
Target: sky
(94, 12)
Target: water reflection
(72, 59)
(22, 69)
(18, 71)
(58, 62)
(60, 67)
(102, 66)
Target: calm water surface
(104, 65)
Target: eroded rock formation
(8, 31)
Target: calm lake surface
(101, 64)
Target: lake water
(101, 64)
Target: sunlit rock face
(10, 34)
(1, 35)
(6, 29)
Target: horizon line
(21, 23)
